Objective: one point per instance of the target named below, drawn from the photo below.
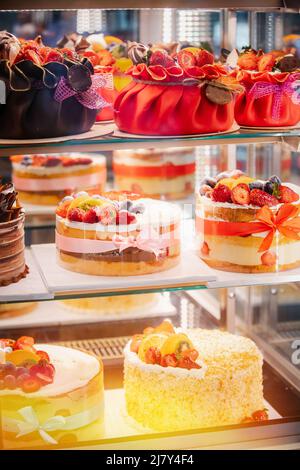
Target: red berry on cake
(266, 63)
(186, 58)
(124, 218)
(107, 214)
(204, 57)
(261, 198)
(287, 195)
(75, 215)
(268, 258)
(186, 363)
(240, 194)
(90, 217)
(161, 57)
(169, 360)
(205, 249)
(260, 415)
(221, 193)
(153, 356)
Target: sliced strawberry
(66, 52)
(169, 360)
(192, 354)
(93, 57)
(44, 379)
(266, 62)
(186, 59)
(268, 258)
(187, 363)
(161, 57)
(261, 198)
(287, 195)
(240, 194)
(204, 57)
(75, 215)
(153, 356)
(260, 415)
(221, 193)
(90, 217)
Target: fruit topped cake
(248, 225)
(177, 379)
(12, 245)
(117, 234)
(174, 95)
(270, 81)
(46, 179)
(48, 394)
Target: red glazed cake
(12, 258)
(175, 96)
(46, 179)
(117, 234)
(167, 173)
(247, 225)
(270, 97)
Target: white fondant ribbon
(59, 183)
(31, 423)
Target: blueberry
(209, 181)
(257, 185)
(27, 161)
(137, 209)
(125, 205)
(269, 187)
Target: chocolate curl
(9, 205)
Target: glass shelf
(108, 142)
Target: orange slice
(20, 356)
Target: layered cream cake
(46, 179)
(197, 378)
(248, 225)
(48, 395)
(167, 173)
(118, 304)
(12, 245)
(117, 234)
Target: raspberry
(287, 195)
(107, 214)
(153, 356)
(75, 215)
(90, 217)
(261, 198)
(268, 258)
(221, 193)
(204, 57)
(169, 360)
(240, 194)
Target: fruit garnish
(10, 382)
(186, 363)
(169, 360)
(256, 185)
(43, 355)
(240, 194)
(161, 57)
(63, 208)
(205, 249)
(186, 58)
(7, 343)
(89, 203)
(155, 340)
(248, 61)
(192, 354)
(90, 217)
(124, 218)
(266, 62)
(268, 258)
(153, 356)
(165, 327)
(176, 343)
(229, 182)
(77, 200)
(75, 214)
(107, 214)
(20, 356)
(31, 385)
(260, 415)
(136, 342)
(272, 186)
(221, 193)
(287, 195)
(261, 198)
(204, 57)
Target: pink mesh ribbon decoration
(290, 87)
(89, 98)
(147, 240)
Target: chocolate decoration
(137, 52)
(9, 46)
(79, 78)
(217, 94)
(8, 199)
(288, 63)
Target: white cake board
(29, 288)
(58, 280)
(53, 313)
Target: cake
(167, 173)
(117, 234)
(49, 394)
(12, 245)
(177, 380)
(16, 309)
(248, 225)
(174, 95)
(270, 82)
(49, 92)
(46, 179)
(118, 304)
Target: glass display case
(96, 316)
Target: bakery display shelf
(112, 143)
(28, 289)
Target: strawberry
(90, 217)
(287, 195)
(43, 355)
(186, 59)
(107, 214)
(66, 52)
(261, 198)
(53, 56)
(43, 367)
(93, 57)
(187, 363)
(24, 342)
(266, 62)
(240, 194)
(192, 354)
(75, 215)
(205, 249)
(260, 415)
(268, 258)
(204, 57)
(153, 356)
(124, 218)
(221, 193)
(161, 57)
(247, 61)
(169, 360)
